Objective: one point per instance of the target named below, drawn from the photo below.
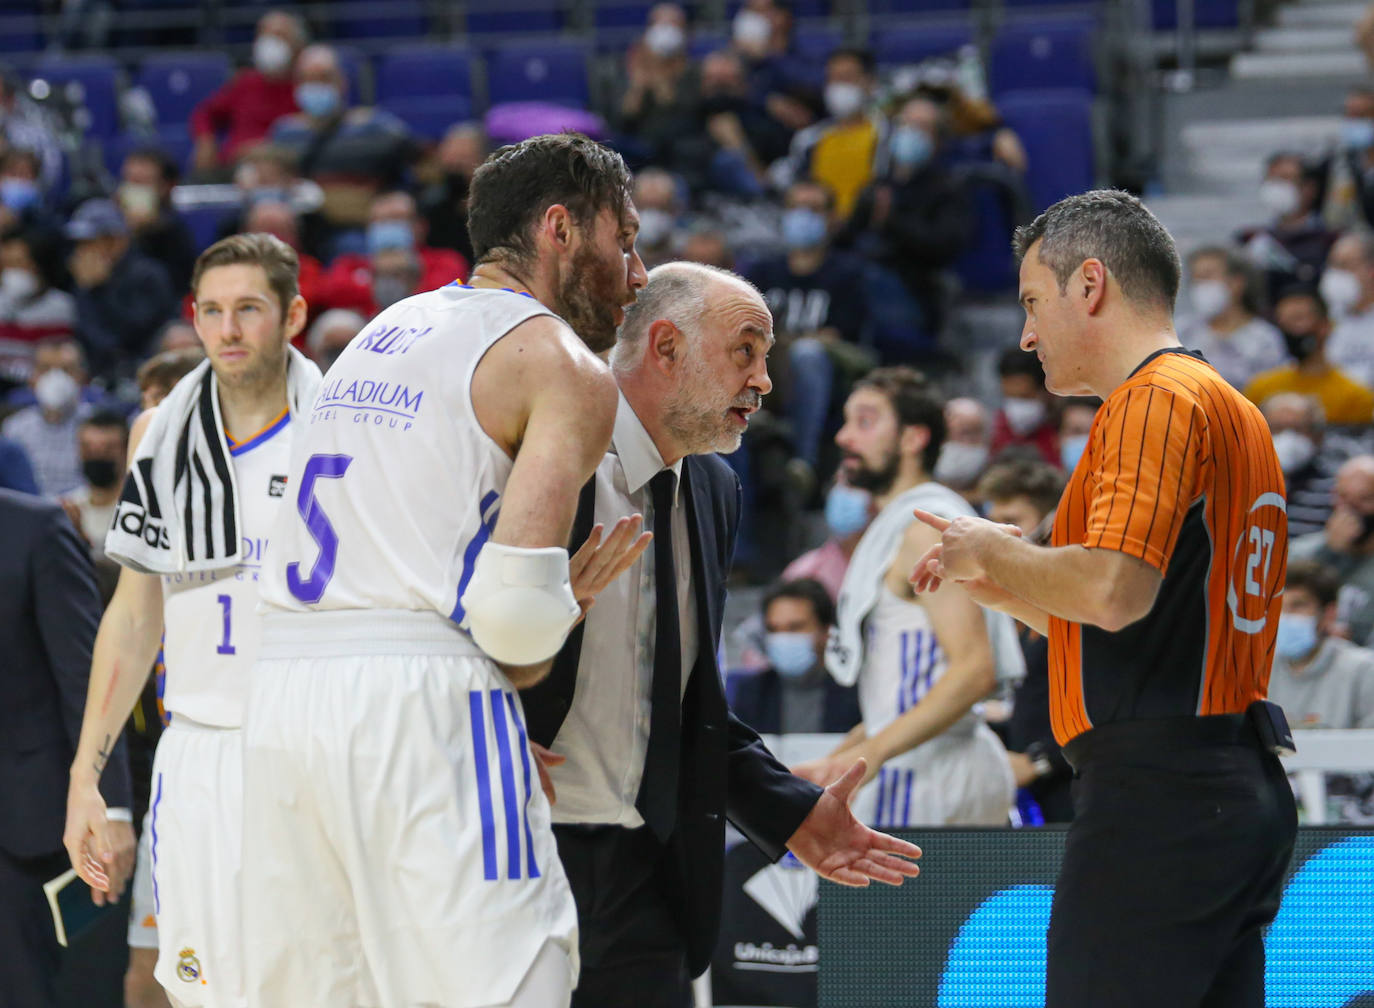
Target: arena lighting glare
(971, 934)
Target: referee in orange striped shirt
(1160, 596)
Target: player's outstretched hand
(598, 563)
(835, 845)
(90, 842)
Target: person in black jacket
(655, 761)
(48, 614)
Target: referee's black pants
(632, 950)
(1173, 866)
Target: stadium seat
(621, 14)
(205, 221)
(1206, 14)
(357, 71)
(909, 7)
(19, 32)
(176, 82)
(174, 140)
(703, 43)
(431, 116)
(1000, 203)
(1043, 54)
(511, 17)
(94, 79)
(899, 44)
(1057, 130)
(424, 71)
(554, 71)
(373, 20)
(817, 41)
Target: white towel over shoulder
(178, 511)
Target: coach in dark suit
(49, 610)
(655, 762)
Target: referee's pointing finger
(934, 521)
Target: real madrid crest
(188, 966)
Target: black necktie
(657, 800)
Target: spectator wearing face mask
(353, 154)
(1346, 545)
(22, 198)
(1310, 457)
(24, 125)
(1349, 168)
(660, 210)
(1347, 284)
(144, 196)
(658, 105)
(47, 430)
(794, 693)
(1076, 416)
(1024, 419)
(1302, 319)
(122, 296)
(445, 203)
(964, 455)
(395, 275)
(394, 225)
(914, 219)
(1224, 297)
(734, 138)
(331, 332)
(277, 218)
(32, 307)
(780, 78)
(848, 510)
(816, 295)
(840, 152)
(102, 442)
(1291, 248)
(241, 113)
(1321, 680)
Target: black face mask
(1300, 345)
(718, 103)
(100, 473)
(1368, 527)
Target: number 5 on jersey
(310, 589)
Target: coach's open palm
(599, 562)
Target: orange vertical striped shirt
(1179, 472)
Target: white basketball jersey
(211, 617)
(395, 487)
(902, 660)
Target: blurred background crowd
(864, 164)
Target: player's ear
(913, 439)
(558, 225)
(1093, 284)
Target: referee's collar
(1180, 349)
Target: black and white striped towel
(178, 511)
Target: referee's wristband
(119, 815)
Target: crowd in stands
(849, 193)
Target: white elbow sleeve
(519, 603)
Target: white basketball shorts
(142, 913)
(952, 780)
(397, 846)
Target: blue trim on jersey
(525, 763)
(157, 901)
(479, 761)
(261, 436)
(484, 531)
(498, 722)
(508, 290)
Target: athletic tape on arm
(519, 603)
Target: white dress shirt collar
(639, 456)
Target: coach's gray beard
(698, 420)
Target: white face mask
(271, 54)
(1280, 198)
(1294, 450)
(751, 29)
(1341, 289)
(18, 284)
(1209, 298)
(1023, 415)
(843, 99)
(664, 39)
(960, 463)
(655, 227)
(56, 391)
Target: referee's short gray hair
(675, 291)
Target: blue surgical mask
(1071, 449)
(802, 228)
(1297, 636)
(1357, 134)
(910, 146)
(846, 509)
(792, 655)
(317, 99)
(18, 194)
(389, 234)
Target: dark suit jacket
(726, 772)
(757, 697)
(49, 611)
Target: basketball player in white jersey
(398, 849)
(921, 663)
(247, 309)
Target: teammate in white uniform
(247, 310)
(922, 663)
(398, 850)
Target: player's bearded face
(591, 292)
(875, 473)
